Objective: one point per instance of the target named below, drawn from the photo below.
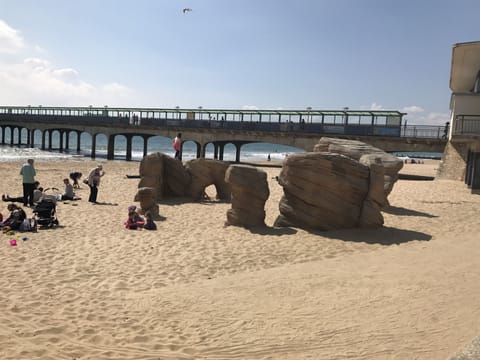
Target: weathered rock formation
(147, 198)
(250, 191)
(151, 170)
(169, 177)
(176, 178)
(367, 155)
(326, 191)
(206, 172)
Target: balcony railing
(466, 125)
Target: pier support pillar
(237, 152)
(78, 140)
(60, 140)
(145, 146)
(67, 139)
(220, 151)
(94, 145)
(50, 139)
(110, 147)
(199, 148)
(31, 138)
(203, 150)
(3, 135)
(12, 133)
(215, 150)
(43, 139)
(128, 155)
(19, 134)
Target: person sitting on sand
(37, 193)
(75, 176)
(69, 193)
(134, 221)
(17, 215)
(150, 224)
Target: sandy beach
(194, 289)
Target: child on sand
(69, 194)
(75, 176)
(134, 220)
(150, 224)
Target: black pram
(45, 213)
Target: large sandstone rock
(165, 174)
(177, 178)
(249, 193)
(326, 191)
(366, 154)
(151, 173)
(169, 177)
(148, 200)
(206, 172)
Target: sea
(253, 152)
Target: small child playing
(75, 176)
(150, 224)
(134, 220)
(69, 194)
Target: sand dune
(195, 289)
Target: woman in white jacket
(94, 181)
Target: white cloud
(432, 118)
(376, 106)
(37, 81)
(249, 107)
(39, 49)
(412, 109)
(10, 40)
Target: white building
(461, 159)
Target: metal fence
(466, 125)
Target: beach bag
(85, 181)
(28, 225)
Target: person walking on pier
(28, 179)
(93, 181)
(177, 146)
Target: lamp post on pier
(309, 108)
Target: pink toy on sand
(13, 242)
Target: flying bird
(185, 10)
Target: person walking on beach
(177, 146)
(28, 179)
(94, 181)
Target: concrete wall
(466, 104)
(454, 162)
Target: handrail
(348, 123)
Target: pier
(386, 130)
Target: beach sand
(194, 289)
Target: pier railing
(328, 122)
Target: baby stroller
(45, 213)
(51, 194)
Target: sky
(235, 54)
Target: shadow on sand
(400, 211)
(382, 236)
(276, 231)
(105, 203)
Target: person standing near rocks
(28, 180)
(94, 181)
(177, 146)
